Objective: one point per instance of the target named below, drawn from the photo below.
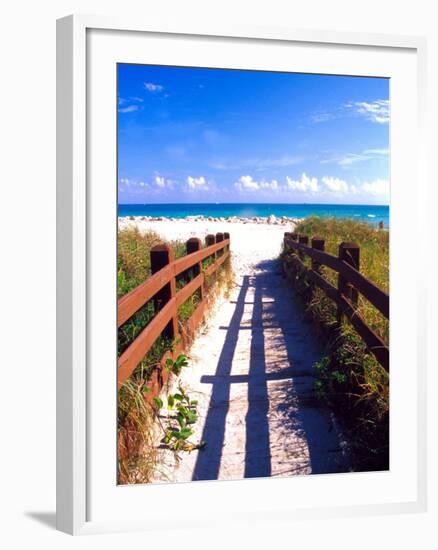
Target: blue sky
(215, 135)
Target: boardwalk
(251, 370)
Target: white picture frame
(74, 218)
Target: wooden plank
(189, 289)
(132, 356)
(193, 245)
(197, 317)
(349, 253)
(323, 258)
(367, 288)
(134, 300)
(374, 343)
(186, 262)
(213, 267)
(160, 375)
(162, 255)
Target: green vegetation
(138, 421)
(133, 268)
(137, 453)
(349, 377)
(374, 258)
(179, 425)
(133, 257)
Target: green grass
(133, 257)
(348, 376)
(133, 268)
(374, 258)
(137, 452)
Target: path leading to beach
(251, 371)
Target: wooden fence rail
(350, 283)
(161, 288)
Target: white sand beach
(252, 242)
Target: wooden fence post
(227, 237)
(302, 239)
(294, 237)
(350, 254)
(286, 237)
(317, 244)
(292, 252)
(209, 241)
(162, 255)
(219, 239)
(193, 245)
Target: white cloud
(321, 117)
(247, 183)
(129, 105)
(305, 184)
(382, 152)
(261, 163)
(351, 158)
(376, 188)
(132, 186)
(327, 184)
(128, 109)
(325, 187)
(335, 185)
(197, 183)
(162, 182)
(375, 111)
(273, 185)
(256, 163)
(151, 87)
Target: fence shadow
(208, 460)
(300, 411)
(276, 309)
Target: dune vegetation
(348, 376)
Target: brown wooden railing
(161, 288)
(350, 283)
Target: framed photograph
(239, 335)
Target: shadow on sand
(277, 312)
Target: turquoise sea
(366, 213)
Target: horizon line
(250, 203)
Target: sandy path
(251, 371)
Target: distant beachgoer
(381, 225)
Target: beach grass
(348, 376)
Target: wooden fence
(161, 287)
(350, 283)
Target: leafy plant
(179, 427)
(176, 366)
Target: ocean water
(366, 213)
